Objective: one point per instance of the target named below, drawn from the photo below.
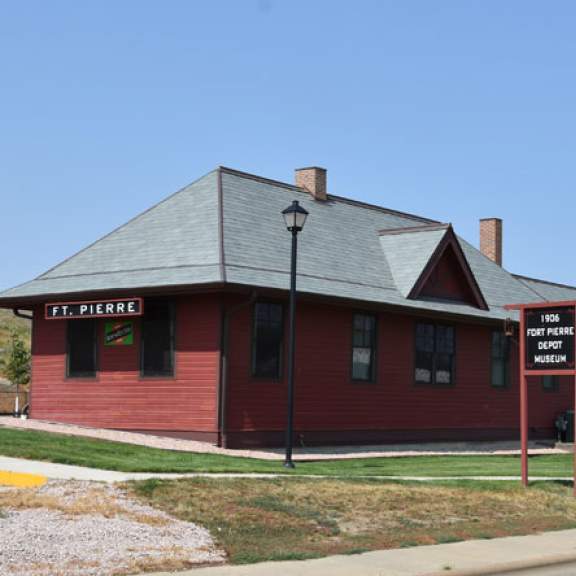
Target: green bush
(16, 364)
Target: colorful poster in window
(119, 333)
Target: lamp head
(295, 217)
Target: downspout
(19, 314)
(224, 349)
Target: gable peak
(448, 276)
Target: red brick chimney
(313, 180)
(491, 239)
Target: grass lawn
(276, 519)
(130, 458)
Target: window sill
(433, 385)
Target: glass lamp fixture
(295, 217)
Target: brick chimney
(491, 239)
(313, 180)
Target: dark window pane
(443, 367)
(498, 345)
(81, 348)
(434, 358)
(363, 347)
(361, 363)
(267, 340)
(425, 337)
(444, 339)
(498, 373)
(550, 383)
(158, 339)
(500, 360)
(424, 367)
(358, 337)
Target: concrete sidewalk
(472, 558)
(67, 472)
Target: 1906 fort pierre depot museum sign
(549, 338)
(94, 309)
(547, 348)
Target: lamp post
(295, 217)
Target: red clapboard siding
(327, 399)
(118, 397)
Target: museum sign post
(547, 348)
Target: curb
(21, 479)
(504, 568)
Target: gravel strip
(91, 529)
(313, 453)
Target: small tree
(17, 366)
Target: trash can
(569, 426)
(564, 425)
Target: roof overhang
(29, 302)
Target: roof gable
(448, 276)
(408, 252)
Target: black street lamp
(295, 217)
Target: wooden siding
(119, 397)
(326, 398)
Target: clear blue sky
(455, 110)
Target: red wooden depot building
(175, 324)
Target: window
(500, 377)
(364, 348)
(434, 354)
(82, 346)
(267, 340)
(551, 383)
(157, 343)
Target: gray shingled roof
(227, 228)
(413, 246)
(548, 290)
(173, 243)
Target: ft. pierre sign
(94, 309)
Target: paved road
(558, 570)
(513, 556)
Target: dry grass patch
(256, 520)
(63, 569)
(24, 498)
(93, 500)
(174, 560)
